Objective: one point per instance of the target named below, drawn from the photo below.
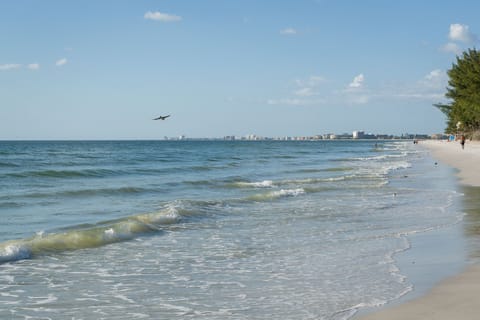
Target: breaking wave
(277, 194)
(89, 237)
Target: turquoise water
(212, 229)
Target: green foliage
(463, 112)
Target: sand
(466, 160)
(458, 297)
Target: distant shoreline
(293, 139)
(355, 135)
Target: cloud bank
(311, 91)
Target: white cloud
(461, 33)
(452, 47)
(310, 91)
(430, 88)
(162, 17)
(295, 102)
(434, 77)
(33, 66)
(61, 62)
(312, 81)
(358, 99)
(308, 87)
(433, 97)
(288, 32)
(305, 92)
(357, 82)
(9, 66)
(432, 85)
(355, 92)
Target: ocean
(213, 229)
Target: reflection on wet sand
(472, 219)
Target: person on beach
(462, 141)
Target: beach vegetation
(463, 93)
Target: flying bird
(162, 117)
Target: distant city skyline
(355, 135)
(105, 69)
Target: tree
(463, 110)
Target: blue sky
(103, 69)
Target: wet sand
(457, 297)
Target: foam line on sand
(457, 297)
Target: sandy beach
(456, 297)
(465, 160)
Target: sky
(104, 69)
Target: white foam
(382, 157)
(258, 184)
(263, 184)
(350, 312)
(124, 298)
(169, 215)
(8, 278)
(288, 192)
(44, 300)
(13, 252)
(109, 234)
(8, 295)
(182, 309)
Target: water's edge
(436, 255)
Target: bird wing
(162, 117)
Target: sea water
(212, 229)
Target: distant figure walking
(462, 141)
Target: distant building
(439, 136)
(363, 135)
(358, 134)
(421, 136)
(342, 136)
(385, 136)
(253, 137)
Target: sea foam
(13, 251)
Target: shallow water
(212, 229)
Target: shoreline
(464, 160)
(457, 296)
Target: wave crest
(277, 194)
(91, 237)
